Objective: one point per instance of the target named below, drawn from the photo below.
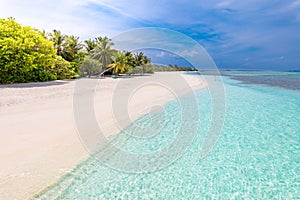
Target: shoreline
(43, 145)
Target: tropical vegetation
(27, 56)
(30, 55)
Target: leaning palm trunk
(99, 74)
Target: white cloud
(187, 53)
(109, 5)
(70, 16)
(160, 54)
(224, 3)
(295, 4)
(265, 25)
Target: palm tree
(123, 62)
(68, 47)
(59, 42)
(141, 60)
(72, 46)
(129, 58)
(103, 52)
(146, 60)
(105, 40)
(90, 45)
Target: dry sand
(38, 138)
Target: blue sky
(248, 34)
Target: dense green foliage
(115, 62)
(27, 56)
(151, 68)
(162, 68)
(30, 55)
(111, 61)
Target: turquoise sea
(257, 155)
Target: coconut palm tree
(146, 60)
(59, 42)
(90, 45)
(141, 60)
(72, 46)
(122, 63)
(105, 40)
(68, 47)
(103, 52)
(129, 58)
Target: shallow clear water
(256, 157)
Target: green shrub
(62, 69)
(27, 56)
(90, 67)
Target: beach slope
(38, 138)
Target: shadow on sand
(35, 84)
(60, 82)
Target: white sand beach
(38, 138)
